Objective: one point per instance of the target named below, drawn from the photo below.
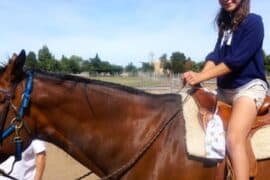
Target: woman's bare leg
(243, 115)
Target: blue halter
(19, 118)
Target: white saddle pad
(195, 136)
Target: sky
(120, 31)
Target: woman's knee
(234, 140)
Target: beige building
(157, 68)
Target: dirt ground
(60, 166)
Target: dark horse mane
(78, 79)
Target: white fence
(168, 84)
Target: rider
(238, 64)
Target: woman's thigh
(243, 116)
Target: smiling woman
(237, 62)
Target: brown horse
(109, 128)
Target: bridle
(7, 96)
(17, 122)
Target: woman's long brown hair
(231, 20)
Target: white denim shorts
(255, 89)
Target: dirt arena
(60, 166)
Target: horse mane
(78, 79)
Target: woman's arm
(40, 165)
(209, 71)
(208, 65)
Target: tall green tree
(46, 60)
(31, 60)
(96, 63)
(64, 64)
(75, 64)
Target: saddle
(208, 104)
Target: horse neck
(93, 122)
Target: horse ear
(20, 60)
(15, 66)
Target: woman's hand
(192, 78)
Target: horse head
(10, 94)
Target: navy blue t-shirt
(243, 55)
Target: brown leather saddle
(207, 103)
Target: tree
(74, 64)
(177, 61)
(46, 60)
(64, 64)
(192, 65)
(115, 69)
(188, 65)
(96, 63)
(147, 67)
(165, 64)
(86, 66)
(105, 67)
(131, 69)
(31, 60)
(197, 66)
(267, 63)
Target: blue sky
(120, 31)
